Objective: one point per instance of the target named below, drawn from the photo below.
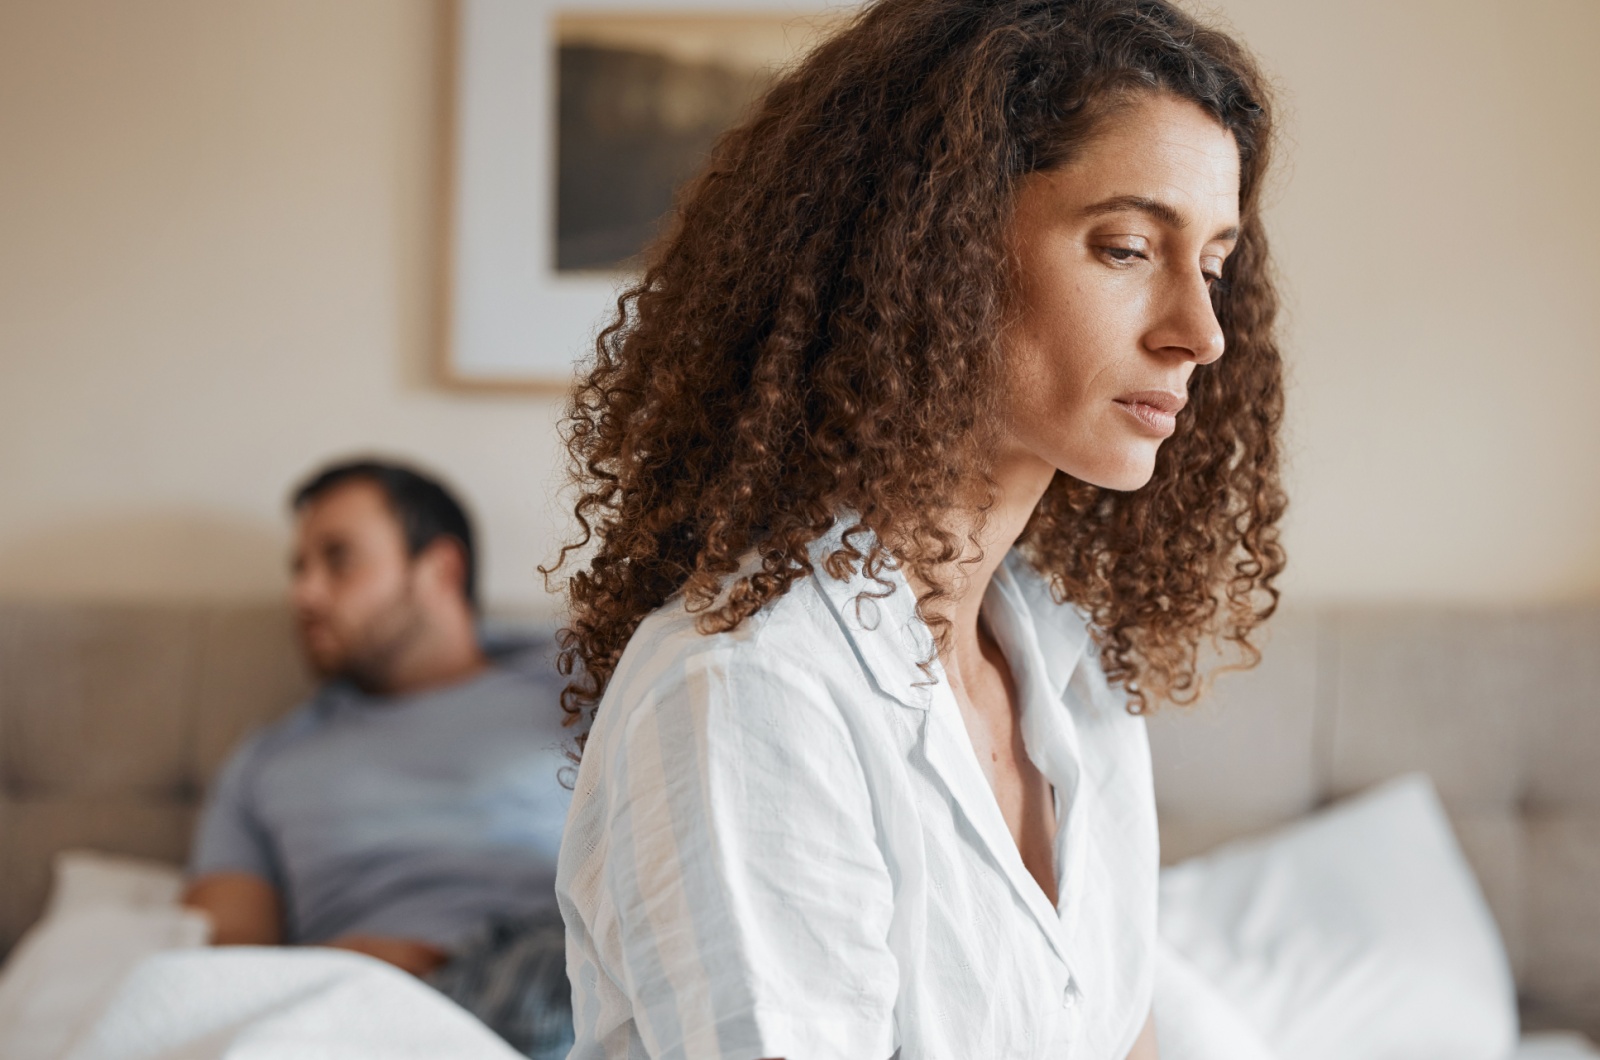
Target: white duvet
(117, 971)
(273, 1004)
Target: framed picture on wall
(574, 124)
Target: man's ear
(444, 562)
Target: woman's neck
(1019, 484)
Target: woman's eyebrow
(1155, 208)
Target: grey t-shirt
(420, 817)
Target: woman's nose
(1188, 322)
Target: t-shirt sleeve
(230, 836)
(752, 896)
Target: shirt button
(1069, 996)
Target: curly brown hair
(816, 334)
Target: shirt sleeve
(230, 836)
(752, 896)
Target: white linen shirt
(781, 843)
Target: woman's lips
(1155, 409)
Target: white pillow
(85, 878)
(1357, 932)
(106, 914)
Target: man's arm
(233, 877)
(408, 955)
(244, 909)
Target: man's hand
(408, 955)
(244, 909)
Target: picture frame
(513, 320)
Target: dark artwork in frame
(641, 99)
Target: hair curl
(817, 333)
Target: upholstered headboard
(113, 718)
(1500, 707)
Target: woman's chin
(1133, 471)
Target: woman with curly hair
(938, 434)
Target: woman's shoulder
(780, 632)
(783, 651)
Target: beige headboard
(113, 719)
(1501, 708)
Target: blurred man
(411, 810)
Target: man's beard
(375, 650)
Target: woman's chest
(980, 975)
(999, 968)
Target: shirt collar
(1061, 629)
(879, 618)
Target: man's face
(354, 584)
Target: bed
(115, 717)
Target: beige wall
(1438, 230)
(218, 259)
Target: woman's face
(1115, 253)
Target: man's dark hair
(424, 508)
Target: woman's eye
(1122, 254)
